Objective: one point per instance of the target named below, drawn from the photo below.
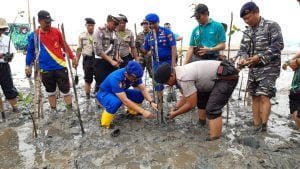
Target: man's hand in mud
(171, 115)
(147, 114)
(154, 106)
(28, 71)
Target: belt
(230, 77)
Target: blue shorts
(157, 86)
(112, 103)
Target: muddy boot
(3, 115)
(264, 127)
(212, 139)
(88, 96)
(201, 122)
(257, 128)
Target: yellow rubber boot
(106, 119)
(132, 112)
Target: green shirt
(296, 80)
(209, 35)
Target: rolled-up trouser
(6, 82)
(294, 101)
(219, 97)
(88, 68)
(102, 69)
(112, 103)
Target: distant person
(206, 42)
(208, 37)
(6, 81)
(294, 96)
(216, 77)
(144, 59)
(127, 50)
(86, 49)
(177, 36)
(115, 91)
(52, 62)
(260, 50)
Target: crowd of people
(116, 59)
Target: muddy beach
(144, 143)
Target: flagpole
(28, 10)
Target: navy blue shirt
(165, 41)
(117, 83)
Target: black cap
(90, 21)
(200, 9)
(247, 8)
(123, 18)
(163, 73)
(113, 18)
(144, 21)
(44, 15)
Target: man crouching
(114, 91)
(214, 77)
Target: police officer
(105, 44)
(114, 91)
(86, 49)
(217, 78)
(6, 80)
(166, 46)
(260, 49)
(126, 48)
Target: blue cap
(247, 8)
(133, 68)
(152, 17)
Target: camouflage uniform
(146, 59)
(104, 41)
(267, 43)
(126, 40)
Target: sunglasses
(145, 23)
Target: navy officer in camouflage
(260, 50)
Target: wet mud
(135, 142)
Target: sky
(176, 12)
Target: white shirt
(4, 40)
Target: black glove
(8, 57)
